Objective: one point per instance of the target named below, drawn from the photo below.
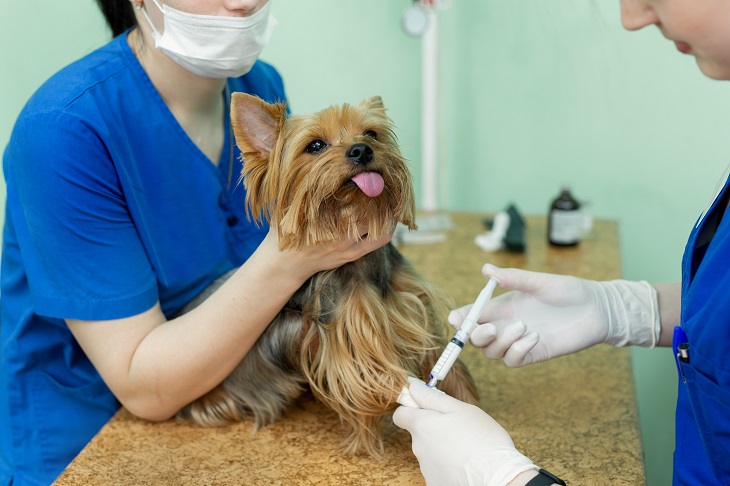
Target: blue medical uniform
(702, 452)
(110, 208)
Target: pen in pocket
(680, 346)
(683, 352)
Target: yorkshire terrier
(353, 334)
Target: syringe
(453, 349)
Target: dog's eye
(371, 134)
(315, 146)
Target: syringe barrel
(453, 349)
(447, 358)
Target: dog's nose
(360, 153)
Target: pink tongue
(371, 183)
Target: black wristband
(544, 478)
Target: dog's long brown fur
(352, 334)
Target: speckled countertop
(575, 416)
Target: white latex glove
(547, 315)
(457, 443)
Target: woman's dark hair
(119, 15)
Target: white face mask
(213, 46)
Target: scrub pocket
(67, 417)
(711, 408)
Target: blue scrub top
(702, 451)
(110, 208)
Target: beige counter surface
(576, 415)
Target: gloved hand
(547, 315)
(457, 443)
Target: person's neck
(196, 102)
(180, 89)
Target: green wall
(535, 94)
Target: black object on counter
(514, 239)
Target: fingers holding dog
(362, 246)
(311, 259)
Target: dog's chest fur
(323, 293)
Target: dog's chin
(367, 211)
(343, 212)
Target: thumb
(514, 278)
(431, 398)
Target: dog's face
(318, 177)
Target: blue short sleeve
(83, 254)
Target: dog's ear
(256, 124)
(375, 103)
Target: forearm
(206, 344)
(155, 367)
(670, 305)
(640, 314)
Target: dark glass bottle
(565, 220)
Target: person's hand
(311, 259)
(457, 443)
(547, 315)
